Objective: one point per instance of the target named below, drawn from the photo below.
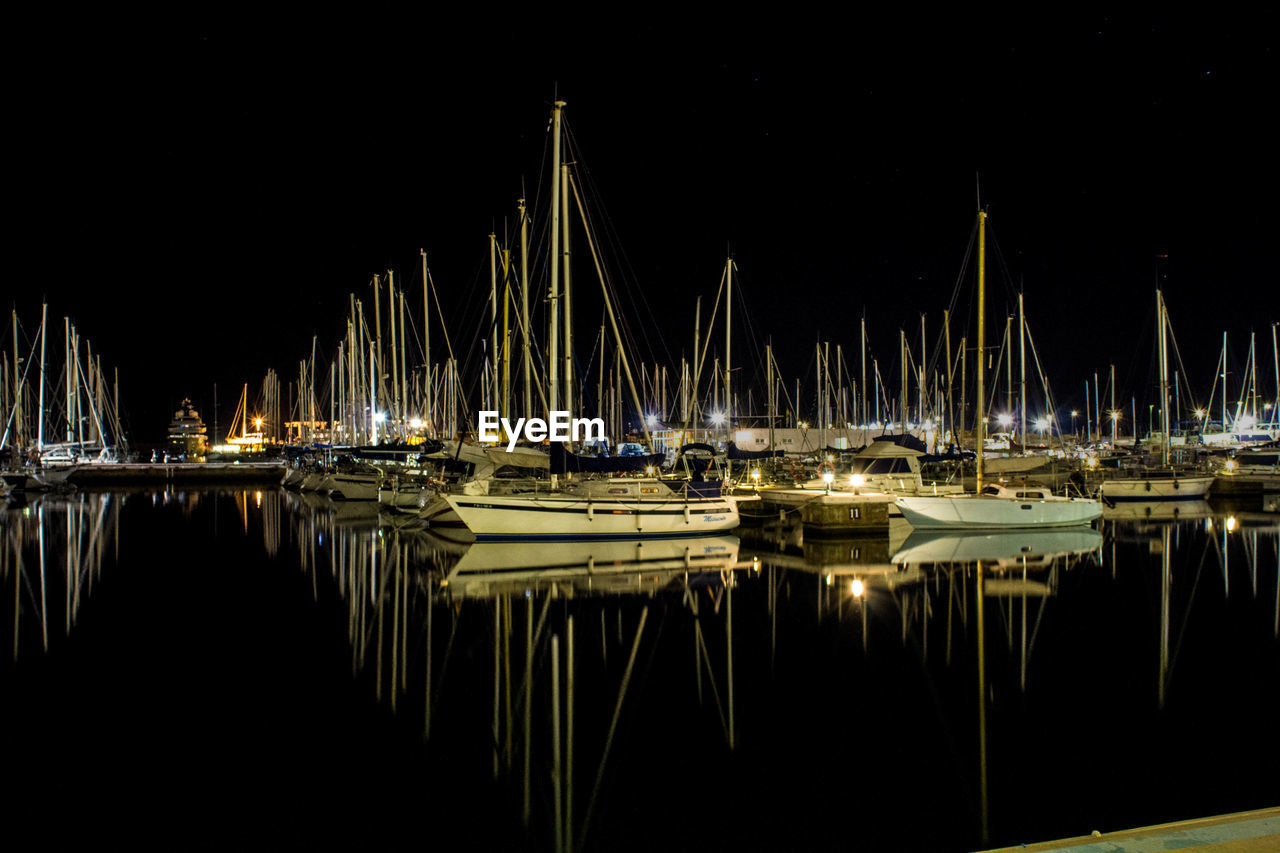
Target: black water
(241, 669)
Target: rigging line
(609, 233)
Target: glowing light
(828, 477)
(1200, 414)
(415, 423)
(1231, 523)
(379, 417)
(804, 425)
(1115, 414)
(651, 420)
(857, 480)
(755, 474)
(257, 423)
(855, 587)
(649, 471)
(1005, 421)
(717, 418)
(828, 580)
(1230, 465)
(1041, 424)
(1074, 413)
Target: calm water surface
(251, 669)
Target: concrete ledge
(1244, 831)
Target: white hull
(568, 516)
(353, 487)
(1157, 489)
(984, 512)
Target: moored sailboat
(995, 506)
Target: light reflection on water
(974, 671)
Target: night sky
(202, 195)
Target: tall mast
(375, 369)
(426, 345)
(728, 350)
(902, 356)
(553, 346)
(524, 307)
(863, 387)
(493, 302)
(395, 355)
(16, 387)
(1022, 362)
(1224, 381)
(44, 313)
(982, 337)
(1112, 413)
(1164, 382)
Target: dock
(1243, 832)
(157, 473)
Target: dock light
(856, 588)
(1041, 424)
(1199, 414)
(828, 580)
(1230, 465)
(1231, 523)
(379, 417)
(1075, 413)
(651, 420)
(828, 478)
(648, 471)
(257, 423)
(804, 425)
(1005, 421)
(755, 474)
(717, 418)
(415, 423)
(927, 424)
(857, 480)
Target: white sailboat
(994, 506)
(1164, 483)
(621, 508)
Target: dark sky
(201, 195)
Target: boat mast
(395, 355)
(553, 346)
(982, 335)
(864, 371)
(426, 344)
(1164, 382)
(524, 306)
(17, 386)
(1022, 367)
(44, 313)
(728, 343)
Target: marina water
(254, 668)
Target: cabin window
(990, 490)
(1030, 496)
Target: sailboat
(615, 508)
(1164, 483)
(995, 506)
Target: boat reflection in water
(444, 625)
(51, 558)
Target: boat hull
(1171, 489)
(568, 517)
(974, 512)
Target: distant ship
(188, 437)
